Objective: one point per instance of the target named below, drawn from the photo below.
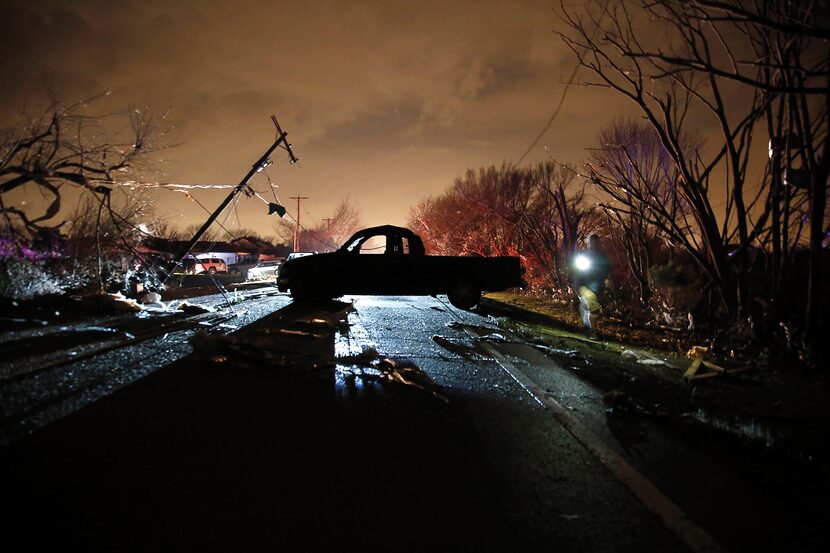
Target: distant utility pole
(329, 239)
(297, 226)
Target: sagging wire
(216, 283)
(106, 200)
(183, 188)
(565, 90)
(190, 196)
(172, 185)
(288, 215)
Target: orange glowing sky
(385, 102)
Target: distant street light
(582, 262)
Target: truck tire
(300, 292)
(305, 292)
(464, 294)
(212, 270)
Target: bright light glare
(582, 262)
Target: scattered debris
(293, 348)
(572, 353)
(457, 347)
(102, 329)
(300, 333)
(464, 327)
(642, 358)
(193, 309)
(150, 297)
(117, 301)
(696, 354)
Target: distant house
(243, 248)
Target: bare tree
(537, 213)
(779, 48)
(669, 82)
(163, 228)
(103, 236)
(67, 146)
(212, 234)
(634, 169)
(560, 216)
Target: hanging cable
(564, 92)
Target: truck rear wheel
(300, 292)
(304, 292)
(464, 294)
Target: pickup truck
(389, 260)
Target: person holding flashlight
(589, 269)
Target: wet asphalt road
(552, 492)
(295, 432)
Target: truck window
(373, 245)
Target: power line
(564, 93)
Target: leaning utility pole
(297, 222)
(261, 164)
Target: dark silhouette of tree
(537, 213)
(736, 67)
(68, 146)
(327, 235)
(633, 168)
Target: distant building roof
(245, 244)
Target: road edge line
(672, 516)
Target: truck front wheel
(305, 292)
(464, 294)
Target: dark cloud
(384, 101)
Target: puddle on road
(353, 373)
(359, 366)
(747, 428)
